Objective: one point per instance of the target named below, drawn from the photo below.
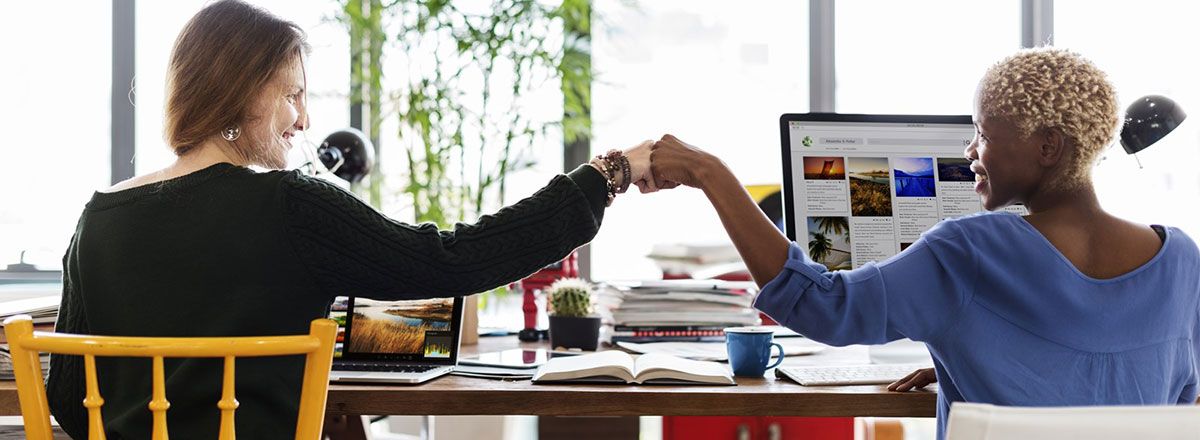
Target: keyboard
(849, 374)
(369, 366)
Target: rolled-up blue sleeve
(916, 294)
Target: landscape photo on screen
(914, 177)
(829, 242)
(955, 169)
(824, 168)
(870, 186)
(401, 327)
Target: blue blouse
(1008, 319)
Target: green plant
(819, 247)
(834, 225)
(459, 98)
(571, 297)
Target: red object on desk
(567, 268)
(540, 280)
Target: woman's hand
(916, 379)
(639, 166)
(675, 163)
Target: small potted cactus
(571, 322)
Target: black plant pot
(575, 332)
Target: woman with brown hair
(208, 247)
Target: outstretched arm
(353, 250)
(761, 245)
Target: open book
(619, 367)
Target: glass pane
(56, 86)
(1144, 50)
(919, 57)
(328, 70)
(715, 73)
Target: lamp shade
(1149, 119)
(352, 149)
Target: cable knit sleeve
(353, 250)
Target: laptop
(404, 342)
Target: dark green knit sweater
(226, 251)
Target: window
(55, 84)
(919, 58)
(715, 73)
(1143, 50)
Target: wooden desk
(456, 395)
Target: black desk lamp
(347, 154)
(1147, 120)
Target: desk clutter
(675, 310)
(614, 366)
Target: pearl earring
(232, 133)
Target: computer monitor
(861, 188)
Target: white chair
(969, 421)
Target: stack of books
(676, 310)
(699, 261)
(44, 311)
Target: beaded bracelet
(609, 164)
(609, 177)
(618, 158)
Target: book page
(665, 367)
(611, 363)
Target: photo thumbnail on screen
(438, 344)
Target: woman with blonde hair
(1068, 305)
(208, 247)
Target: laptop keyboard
(367, 366)
(849, 374)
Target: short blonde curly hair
(1055, 88)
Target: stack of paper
(697, 261)
(6, 365)
(676, 310)
(43, 310)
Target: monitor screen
(415, 330)
(861, 188)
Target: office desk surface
(456, 395)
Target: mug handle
(777, 361)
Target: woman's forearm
(763, 248)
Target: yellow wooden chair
(24, 345)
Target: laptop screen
(425, 331)
(861, 188)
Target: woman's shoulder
(1181, 243)
(294, 181)
(977, 225)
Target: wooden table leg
(347, 427)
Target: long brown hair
(223, 58)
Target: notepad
(619, 367)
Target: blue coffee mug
(750, 350)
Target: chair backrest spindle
(93, 401)
(158, 402)
(228, 402)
